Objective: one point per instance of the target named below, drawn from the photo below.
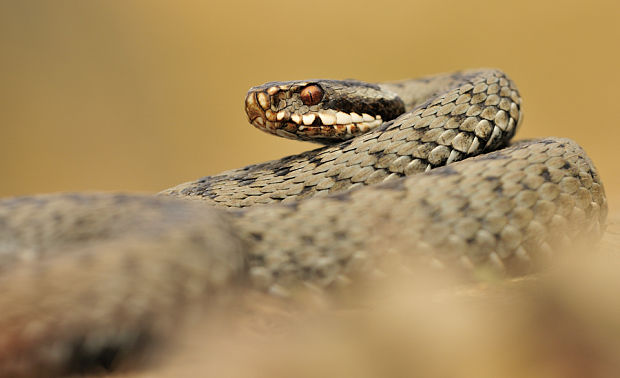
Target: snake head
(321, 111)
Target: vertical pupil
(311, 95)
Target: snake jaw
(316, 110)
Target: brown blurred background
(142, 95)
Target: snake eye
(311, 95)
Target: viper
(424, 167)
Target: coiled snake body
(86, 277)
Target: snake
(423, 167)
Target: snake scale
(420, 166)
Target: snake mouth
(295, 111)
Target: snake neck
(419, 91)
